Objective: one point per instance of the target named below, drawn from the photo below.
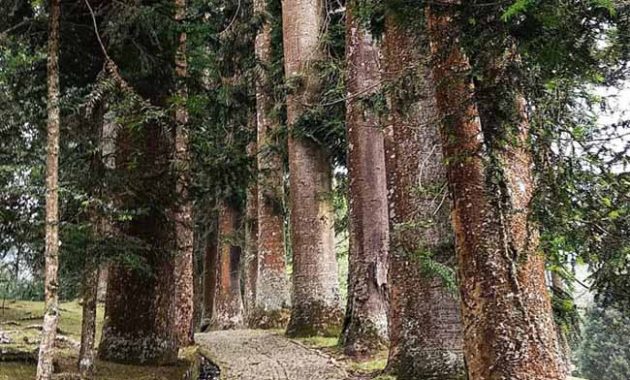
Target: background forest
(223, 166)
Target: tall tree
(140, 302)
(183, 218)
(51, 282)
(425, 323)
(228, 303)
(316, 300)
(272, 285)
(508, 326)
(102, 130)
(365, 326)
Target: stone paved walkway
(266, 355)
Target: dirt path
(266, 355)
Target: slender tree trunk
(509, 330)
(365, 327)
(101, 228)
(425, 323)
(228, 304)
(88, 320)
(272, 285)
(251, 256)
(184, 288)
(209, 279)
(101, 292)
(316, 301)
(51, 284)
(250, 266)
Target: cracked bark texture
(51, 253)
(228, 303)
(140, 301)
(425, 320)
(182, 215)
(365, 326)
(272, 285)
(509, 330)
(316, 300)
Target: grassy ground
(18, 319)
(368, 369)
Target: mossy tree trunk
(228, 303)
(51, 280)
(425, 323)
(140, 301)
(508, 325)
(316, 300)
(365, 326)
(183, 218)
(272, 286)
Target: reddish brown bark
(509, 330)
(316, 301)
(228, 304)
(51, 254)
(425, 323)
(184, 289)
(272, 287)
(365, 326)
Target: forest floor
(240, 354)
(269, 355)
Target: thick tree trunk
(209, 279)
(184, 286)
(88, 320)
(509, 330)
(228, 304)
(272, 286)
(365, 327)
(425, 323)
(316, 301)
(51, 282)
(140, 301)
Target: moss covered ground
(19, 320)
